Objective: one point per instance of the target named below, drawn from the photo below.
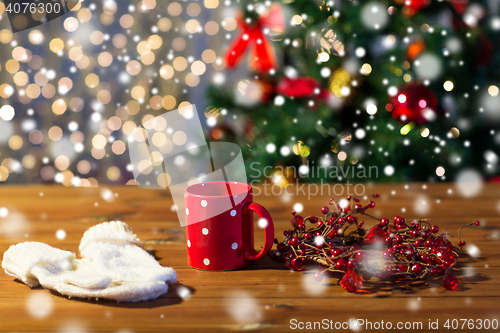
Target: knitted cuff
(114, 231)
(20, 259)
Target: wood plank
(263, 297)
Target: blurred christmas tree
(410, 87)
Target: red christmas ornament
(300, 87)
(351, 281)
(450, 282)
(412, 7)
(262, 58)
(460, 5)
(414, 103)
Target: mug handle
(250, 253)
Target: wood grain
(263, 297)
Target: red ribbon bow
(263, 57)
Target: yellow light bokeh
(166, 72)
(169, 102)
(105, 59)
(174, 9)
(99, 141)
(113, 173)
(56, 45)
(33, 91)
(133, 67)
(55, 133)
(96, 37)
(35, 37)
(92, 80)
(211, 4)
(12, 66)
(118, 147)
(493, 90)
(180, 64)
(164, 24)
(138, 92)
(15, 142)
(21, 79)
(208, 56)
(211, 28)
(5, 36)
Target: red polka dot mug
(219, 226)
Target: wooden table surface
(263, 297)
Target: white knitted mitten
(133, 276)
(116, 252)
(40, 264)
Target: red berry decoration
(341, 264)
(295, 241)
(450, 282)
(413, 251)
(351, 281)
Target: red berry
(418, 243)
(341, 264)
(333, 233)
(350, 219)
(382, 274)
(296, 262)
(337, 252)
(376, 195)
(351, 264)
(280, 247)
(366, 276)
(434, 229)
(450, 282)
(325, 210)
(319, 224)
(477, 223)
(371, 204)
(318, 276)
(425, 234)
(384, 222)
(360, 256)
(308, 236)
(293, 212)
(361, 232)
(299, 219)
(313, 219)
(341, 220)
(417, 269)
(295, 241)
